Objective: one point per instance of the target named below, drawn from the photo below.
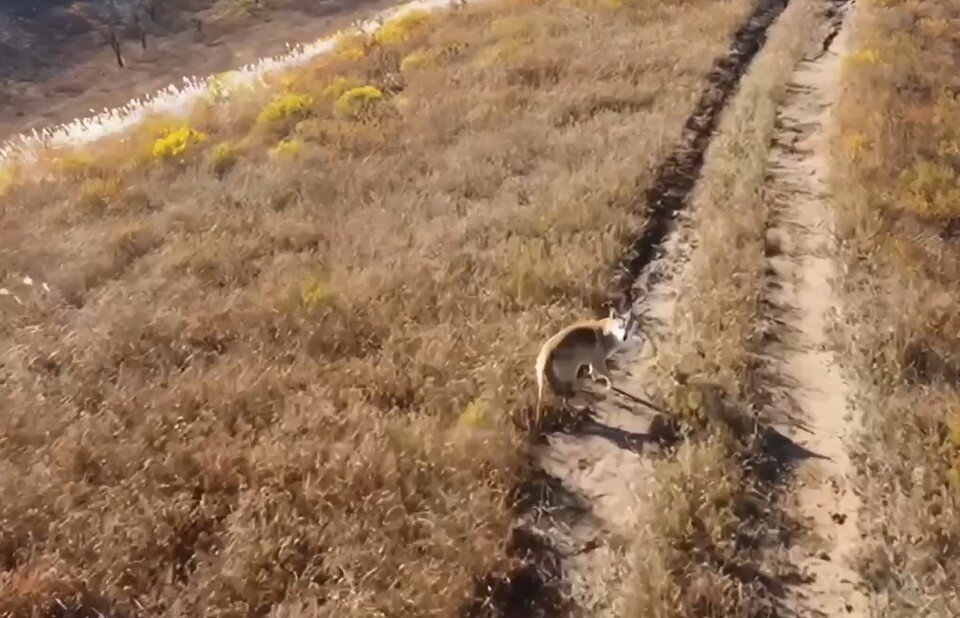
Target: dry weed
(897, 195)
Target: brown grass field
(276, 360)
(898, 184)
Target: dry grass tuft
(270, 383)
(898, 192)
(688, 532)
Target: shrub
(935, 27)
(292, 80)
(500, 53)
(416, 60)
(287, 148)
(223, 156)
(511, 27)
(72, 163)
(854, 144)
(402, 27)
(156, 125)
(866, 56)
(219, 85)
(403, 104)
(355, 101)
(337, 86)
(97, 193)
(930, 189)
(286, 106)
(953, 447)
(314, 292)
(176, 142)
(10, 176)
(612, 4)
(351, 46)
(474, 415)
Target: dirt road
(599, 462)
(801, 291)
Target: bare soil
(811, 386)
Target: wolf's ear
(613, 313)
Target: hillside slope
(56, 63)
(276, 358)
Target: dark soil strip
(677, 175)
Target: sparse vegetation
(898, 197)
(296, 388)
(690, 530)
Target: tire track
(810, 397)
(676, 177)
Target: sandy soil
(811, 383)
(604, 455)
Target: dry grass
(711, 529)
(897, 178)
(281, 368)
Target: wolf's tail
(541, 368)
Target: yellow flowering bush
(353, 102)
(286, 106)
(402, 27)
(176, 142)
(337, 86)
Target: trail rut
(596, 463)
(811, 395)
